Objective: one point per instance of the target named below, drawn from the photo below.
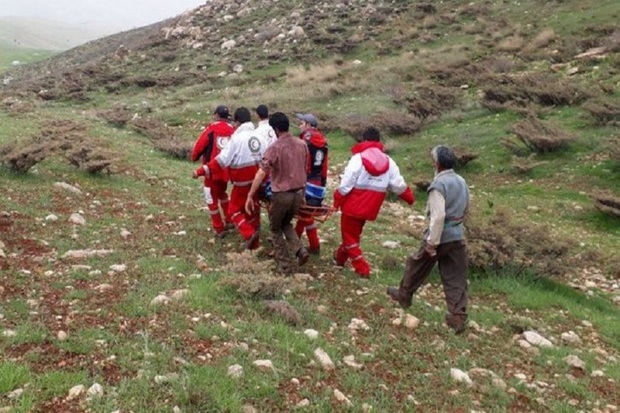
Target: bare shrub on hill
(607, 204)
(542, 39)
(283, 310)
(604, 111)
(523, 166)
(163, 137)
(253, 278)
(521, 91)
(301, 75)
(117, 117)
(431, 102)
(541, 137)
(464, 156)
(24, 158)
(391, 123)
(497, 242)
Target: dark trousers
(452, 259)
(284, 207)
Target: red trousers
(306, 222)
(351, 231)
(216, 197)
(246, 223)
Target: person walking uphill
(317, 177)
(208, 145)
(285, 161)
(367, 177)
(242, 157)
(448, 202)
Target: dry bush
(431, 101)
(284, 310)
(22, 159)
(118, 116)
(607, 204)
(496, 242)
(511, 44)
(422, 185)
(301, 75)
(541, 137)
(163, 137)
(542, 39)
(541, 89)
(387, 122)
(604, 111)
(522, 166)
(252, 277)
(175, 147)
(464, 156)
(89, 157)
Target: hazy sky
(116, 14)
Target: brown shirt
(286, 161)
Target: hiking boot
(229, 226)
(302, 256)
(456, 322)
(394, 294)
(250, 243)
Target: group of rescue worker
(288, 174)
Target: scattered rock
(61, 335)
(263, 364)
(324, 359)
(341, 398)
(76, 391)
(161, 299)
(9, 333)
(358, 324)
(575, 362)
(571, 337)
(125, 233)
(179, 294)
(311, 334)
(51, 218)
(95, 390)
(303, 403)
(536, 339)
(411, 322)
(77, 219)
(118, 267)
(391, 244)
(15, 394)
(68, 187)
(86, 253)
(460, 376)
(235, 371)
(350, 361)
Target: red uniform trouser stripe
(307, 223)
(245, 223)
(351, 230)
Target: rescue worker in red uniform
(316, 180)
(367, 177)
(208, 145)
(241, 157)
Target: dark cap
(262, 111)
(222, 111)
(308, 117)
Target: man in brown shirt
(286, 161)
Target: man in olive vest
(448, 202)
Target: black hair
(262, 111)
(444, 156)
(371, 134)
(242, 115)
(279, 122)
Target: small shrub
(283, 310)
(542, 39)
(604, 111)
(464, 156)
(431, 102)
(22, 159)
(117, 117)
(497, 242)
(541, 137)
(522, 166)
(607, 204)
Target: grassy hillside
(527, 91)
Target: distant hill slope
(45, 35)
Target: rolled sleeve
(437, 209)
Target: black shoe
(302, 256)
(229, 226)
(394, 294)
(250, 241)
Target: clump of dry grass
(67, 139)
(497, 242)
(464, 156)
(542, 39)
(431, 102)
(523, 166)
(118, 116)
(607, 204)
(387, 122)
(163, 137)
(284, 310)
(252, 277)
(539, 136)
(302, 75)
(604, 111)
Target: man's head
(242, 115)
(308, 120)
(443, 157)
(371, 134)
(222, 112)
(262, 111)
(279, 122)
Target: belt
(289, 190)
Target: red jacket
(317, 156)
(368, 176)
(210, 143)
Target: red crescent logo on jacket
(221, 141)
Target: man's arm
(349, 178)
(258, 179)
(437, 208)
